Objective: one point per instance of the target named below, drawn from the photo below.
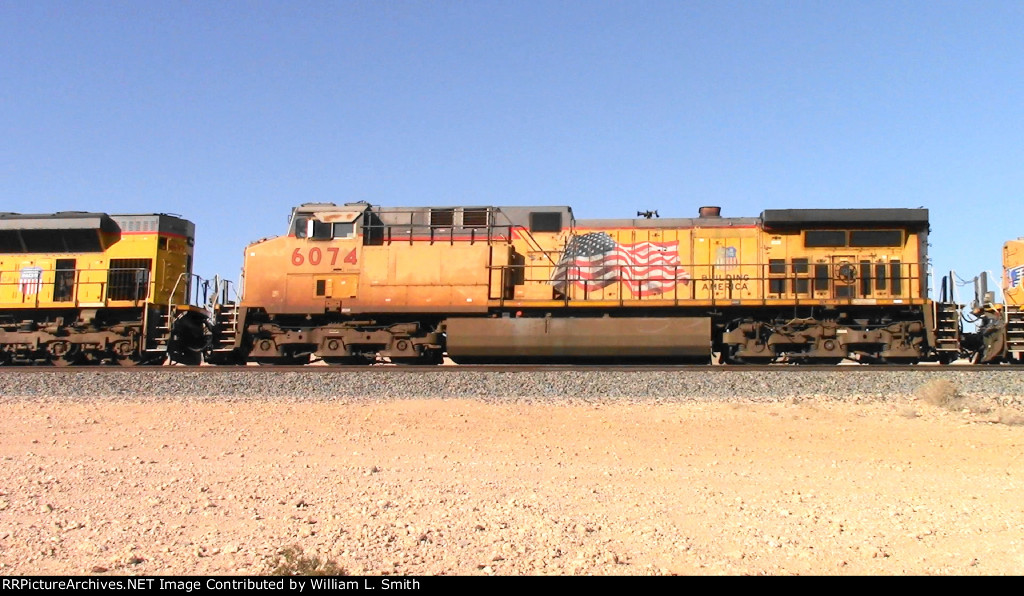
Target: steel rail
(510, 368)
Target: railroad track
(511, 368)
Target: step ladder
(162, 332)
(1014, 332)
(159, 334)
(947, 329)
(225, 320)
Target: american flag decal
(594, 261)
(726, 259)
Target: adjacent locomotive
(80, 287)
(357, 282)
(999, 336)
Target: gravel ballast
(1002, 385)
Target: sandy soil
(465, 487)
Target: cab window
(321, 230)
(310, 227)
(300, 227)
(345, 230)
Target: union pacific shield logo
(1014, 277)
(726, 259)
(30, 280)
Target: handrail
(47, 278)
(220, 294)
(744, 281)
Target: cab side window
(321, 230)
(345, 230)
(309, 227)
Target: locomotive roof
(781, 218)
(455, 217)
(790, 218)
(78, 220)
(65, 220)
(79, 231)
(670, 222)
(913, 219)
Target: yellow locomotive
(357, 282)
(80, 287)
(999, 336)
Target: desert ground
(468, 487)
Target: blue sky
(230, 113)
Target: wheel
(754, 353)
(64, 353)
(428, 358)
(63, 361)
(125, 353)
(729, 357)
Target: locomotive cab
(325, 224)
